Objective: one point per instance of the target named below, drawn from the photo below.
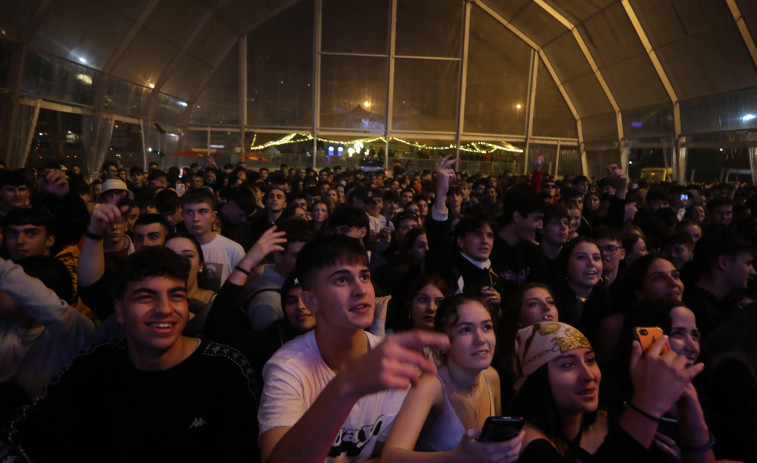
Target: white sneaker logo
(197, 423)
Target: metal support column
(530, 107)
(317, 76)
(463, 76)
(390, 78)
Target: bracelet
(642, 412)
(94, 236)
(246, 272)
(699, 448)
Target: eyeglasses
(549, 185)
(608, 249)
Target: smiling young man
(155, 396)
(221, 254)
(333, 393)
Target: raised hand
(103, 217)
(54, 182)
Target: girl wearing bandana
(558, 394)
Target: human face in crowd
(116, 233)
(630, 211)
(465, 190)
(422, 207)
(390, 207)
(556, 231)
(656, 205)
(138, 179)
(423, 307)
(697, 213)
(297, 313)
(679, 254)
(131, 218)
(263, 174)
(174, 217)
(405, 197)
(342, 297)
(198, 218)
(110, 172)
(276, 201)
(395, 186)
(340, 193)
(740, 270)
(577, 202)
(472, 339)
(661, 281)
(575, 219)
(612, 253)
(491, 194)
(300, 202)
(197, 181)
(722, 215)
(333, 195)
(405, 226)
(455, 201)
(375, 207)
(419, 249)
(158, 183)
(233, 213)
(152, 234)
(186, 248)
(592, 202)
(550, 189)
(320, 212)
(527, 227)
(477, 244)
(154, 311)
(574, 378)
(300, 212)
(684, 337)
(353, 232)
(639, 249)
(538, 306)
(585, 265)
(15, 196)
(412, 208)
(27, 240)
(582, 187)
(694, 230)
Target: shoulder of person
(533, 433)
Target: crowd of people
(240, 314)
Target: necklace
(464, 396)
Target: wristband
(246, 272)
(642, 412)
(94, 236)
(699, 448)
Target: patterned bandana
(538, 344)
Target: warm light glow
(367, 104)
(151, 85)
(518, 106)
(84, 78)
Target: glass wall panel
(477, 156)
(280, 151)
(537, 24)
(552, 116)
(671, 20)
(425, 95)
(50, 77)
(15, 14)
(145, 58)
(508, 9)
(635, 83)
(126, 98)
(610, 36)
(219, 101)
(6, 53)
(334, 150)
(280, 72)
(588, 96)
(186, 76)
(601, 127)
(353, 92)
(355, 27)
(566, 57)
(82, 31)
(170, 110)
(423, 154)
(429, 27)
(651, 121)
(126, 145)
(579, 11)
(497, 80)
(57, 138)
(732, 111)
(549, 151)
(570, 161)
(598, 160)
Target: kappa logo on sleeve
(351, 441)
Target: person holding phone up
(558, 395)
(442, 416)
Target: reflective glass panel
(355, 27)
(353, 92)
(219, 101)
(429, 27)
(497, 79)
(651, 121)
(425, 95)
(601, 127)
(50, 77)
(57, 138)
(280, 72)
(126, 98)
(552, 116)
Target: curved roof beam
(535, 46)
(589, 58)
(656, 63)
(743, 29)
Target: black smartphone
(501, 428)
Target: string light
(471, 147)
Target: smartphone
(181, 189)
(647, 335)
(684, 197)
(501, 428)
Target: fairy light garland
(472, 147)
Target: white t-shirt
(293, 379)
(221, 256)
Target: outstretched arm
(393, 364)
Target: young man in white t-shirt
(333, 393)
(221, 254)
